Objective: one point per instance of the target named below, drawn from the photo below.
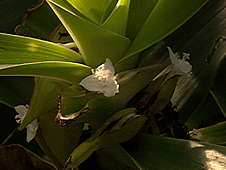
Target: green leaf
(161, 153)
(117, 21)
(60, 141)
(211, 134)
(165, 18)
(94, 10)
(138, 13)
(18, 49)
(115, 157)
(218, 90)
(164, 95)
(45, 95)
(95, 43)
(127, 125)
(193, 91)
(69, 72)
(56, 142)
(12, 95)
(207, 113)
(8, 97)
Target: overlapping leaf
(94, 10)
(163, 20)
(95, 43)
(12, 95)
(160, 153)
(65, 71)
(117, 21)
(212, 134)
(18, 49)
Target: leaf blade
(16, 49)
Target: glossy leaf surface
(16, 49)
(65, 71)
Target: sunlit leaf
(212, 134)
(94, 10)
(165, 18)
(18, 49)
(138, 13)
(95, 43)
(160, 153)
(117, 21)
(65, 71)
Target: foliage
(120, 132)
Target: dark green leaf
(161, 153)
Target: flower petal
(111, 89)
(21, 109)
(32, 130)
(91, 83)
(173, 57)
(185, 67)
(109, 66)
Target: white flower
(103, 80)
(180, 65)
(31, 127)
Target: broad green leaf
(161, 153)
(218, 90)
(115, 157)
(211, 134)
(207, 113)
(38, 21)
(57, 142)
(18, 49)
(69, 72)
(45, 95)
(164, 95)
(94, 10)
(94, 42)
(138, 13)
(8, 97)
(163, 20)
(85, 149)
(125, 128)
(194, 90)
(117, 21)
(12, 95)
